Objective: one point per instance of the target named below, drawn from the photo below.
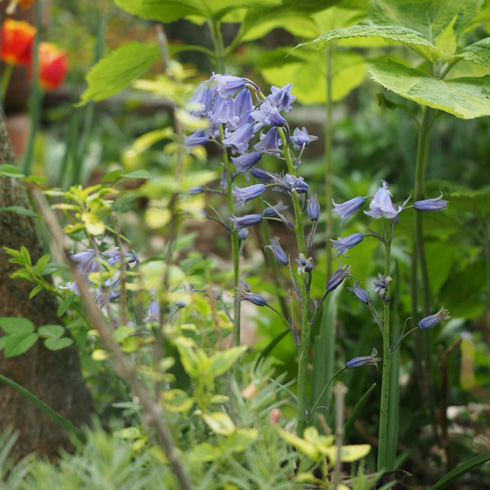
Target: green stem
(7, 73)
(44, 407)
(387, 359)
(423, 147)
(219, 46)
(328, 157)
(304, 347)
(37, 95)
(235, 248)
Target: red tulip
(17, 38)
(53, 65)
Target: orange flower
(53, 65)
(16, 42)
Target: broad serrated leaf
(57, 343)
(466, 98)
(172, 10)
(390, 34)
(308, 75)
(16, 326)
(477, 53)
(473, 201)
(116, 71)
(428, 17)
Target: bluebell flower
(223, 112)
(381, 286)
(359, 293)
(382, 206)
(275, 211)
(290, 183)
(246, 221)
(85, 264)
(269, 142)
(278, 251)
(313, 207)
(228, 84)
(240, 138)
(342, 245)
(263, 175)
(245, 294)
(243, 107)
(348, 208)
(267, 115)
(153, 314)
(198, 138)
(371, 360)
(114, 257)
(433, 320)
(282, 97)
(304, 264)
(193, 191)
(245, 162)
(243, 234)
(338, 277)
(202, 95)
(435, 204)
(245, 194)
(301, 138)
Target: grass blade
(460, 470)
(272, 344)
(349, 425)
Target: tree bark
(53, 376)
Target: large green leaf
(286, 10)
(390, 34)
(308, 75)
(478, 52)
(466, 98)
(428, 17)
(473, 201)
(116, 71)
(171, 10)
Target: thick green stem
(7, 73)
(37, 95)
(219, 46)
(44, 407)
(235, 248)
(328, 157)
(387, 359)
(420, 171)
(304, 348)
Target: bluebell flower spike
(358, 362)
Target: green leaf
(428, 17)
(460, 470)
(172, 10)
(477, 53)
(65, 304)
(466, 98)
(272, 344)
(308, 75)
(51, 331)
(42, 263)
(390, 34)
(116, 71)
(349, 425)
(57, 343)
(137, 174)
(112, 176)
(18, 344)
(35, 291)
(19, 210)
(7, 170)
(446, 42)
(473, 201)
(224, 360)
(16, 325)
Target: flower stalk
(387, 359)
(304, 347)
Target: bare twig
(339, 391)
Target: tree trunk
(53, 376)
